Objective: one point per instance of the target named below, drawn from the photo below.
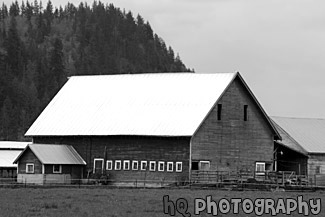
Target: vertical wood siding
(232, 144)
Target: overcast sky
(277, 45)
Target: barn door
(98, 165)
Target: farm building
(159, 127)
(9, 150)
(305, 138)
(46, 164)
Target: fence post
(315, 180)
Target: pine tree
(14, 49)
(56, 65)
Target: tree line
(40, 46)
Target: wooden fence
(278, 178)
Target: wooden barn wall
(167, 149)
(314, 161)
(29, 157)
(232, 144)
(74, 170)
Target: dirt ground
(152, 202)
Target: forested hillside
(40, 46)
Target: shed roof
(308, 133)
(13, 145)
(7, 158)
(55, 154)
(157, 104)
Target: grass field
(122, 202)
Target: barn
(159, 127)
(49, 164)
(9, 150)
(307, 137)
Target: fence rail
(199, 179)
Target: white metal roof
(164, 104)
(13, 145)
(55, 154)
(7, 157)
(307, 132)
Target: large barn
(304, 141)
(159, 127)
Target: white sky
(278, 46)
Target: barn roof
(7, 157)
(306, 134)
(54, 154)
(13, 145)
(9, 150)
(157, 104)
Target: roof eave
(300, 152)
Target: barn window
(204, 165)
(143, 165)
(219, 111)
(29, 168)
(152, 165)
(135, 165)
(317, 170)
(179, 166)
(57, 168)
(98, 165)
(118, 165)
(170, 166)
(260, 168)
(245, 112)
(109, 165)
(126, 165)
(161, 166)
(195, 165)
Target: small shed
(9, 150)
(307, 135)
(46, 164)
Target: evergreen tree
(56, 65)
(13, 48)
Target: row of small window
(160, 166)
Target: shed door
(98, 165)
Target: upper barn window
(219, 111)
(245, 112)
